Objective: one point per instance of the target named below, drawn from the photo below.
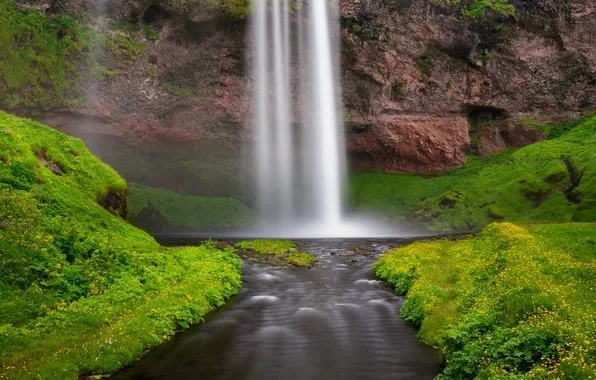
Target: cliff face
(414, 70)
(423, 83)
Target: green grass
(521, 185)
(301, 260)
(189, 211)
(84, 292)
(514, 302)
(267, 247)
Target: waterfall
(300, 148)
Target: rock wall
(413, 73)
(409, 60)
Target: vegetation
(180, 91)
(234, 9)
(276, 253)
(46, 61)
(515, 302)
(41, 58)
(553, 180)
(123, 46)
(479, 10)
(150, 33)
(267, 247)
(301, 260)
(83, 292)
(189, 210)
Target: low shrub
(514, 302)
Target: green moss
(479, 10)
(151, 70)
(513, 302)
(425, 63)
(190, 211)
(83, 292)
(43, 60)
(556, 173)
(552, 131)
(513, 185)
(124, 46)
(267, 247)
(533, 188)
(150, 33)
(234, 9)
(301, 260)
(100, 72)
(180, 91)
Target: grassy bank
(189, 211)
(553, 180)
(83, 291)
(514, 302)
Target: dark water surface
(330, 322)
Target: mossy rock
(302, 260)
(280, 253)
(267, 247)
(496, 212)
(533, 189)
(556, 174)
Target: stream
(334, 321)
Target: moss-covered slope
(83, 291)
(183, 212)
(553, 180)
(512, 303)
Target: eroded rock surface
(411, 143)
(410, 70)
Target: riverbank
(84, 292)
(513, 301)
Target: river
(334, 321)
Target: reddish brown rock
(405, 144)
(490, 141)
(520, 135)
(399, 58)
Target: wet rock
(116, 201)
(489, 141)
(54, 168)
(151, 220)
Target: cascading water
(299, 175)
